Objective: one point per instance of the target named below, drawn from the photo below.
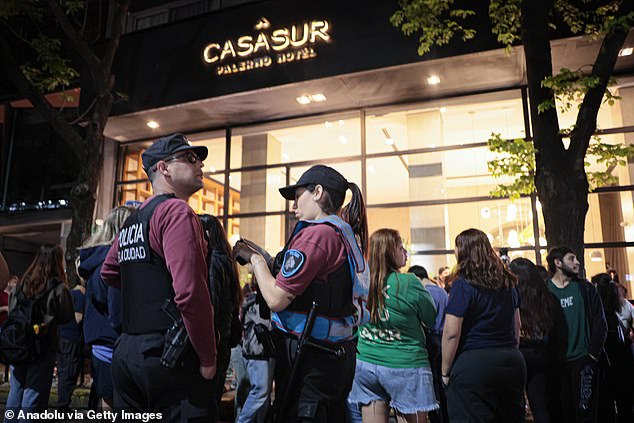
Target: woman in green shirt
(392, 364)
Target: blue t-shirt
(489, 315)
(71, 330)
(440, 300)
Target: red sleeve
(313, 254)
(177, 235)
(110, 269)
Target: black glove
(242, 252)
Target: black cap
(325, 176)
(167, 146)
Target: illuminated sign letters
(266, 47)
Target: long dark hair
(353, 213)
(47, 264)
(608, 291)
(537, 306)
(217, 238)
(479, 264)
(382, 262)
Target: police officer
(315, 266)
(159, 263)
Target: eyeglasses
(189, 156)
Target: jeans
(242, 378)
(31, 384)
(258, 401)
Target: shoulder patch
(293, 262)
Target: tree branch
(74, 37)
(26, 89)
(603, 67)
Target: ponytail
(354, 214)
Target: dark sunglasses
(189, 156)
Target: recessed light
(343, 139)
(433, 80)
(389, 141)
(327, 124)
(626, 51)
(340, 122)
(443, 110)
(371, 169)
(304, 99)
(152, 124)
(318, 98)
(285, 157)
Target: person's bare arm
(450, 339)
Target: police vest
(334, 298)
(145, 281)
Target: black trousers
(541, 388)
(579, 390)
(321, 388)
(487, 385)
(434, 343)
(142, 384)
(69, 362)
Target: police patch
(293, 263)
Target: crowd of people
(329, 328)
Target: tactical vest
(334, 298)
(145, 281)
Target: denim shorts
(407, 390)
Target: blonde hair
(382, 262)
(107, 232)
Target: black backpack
(23, 333)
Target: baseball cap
(323, 175)
(166, 146)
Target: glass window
(308, 139)
(133, 192)
(436, 227)
(610, 217)
(431, 176)
(598, 260)
(449, 122)
(258, 190)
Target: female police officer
(320, 263)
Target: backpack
(23, 333)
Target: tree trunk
(562, 189)
(83, 199)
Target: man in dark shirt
(163, 268)
(582, 330)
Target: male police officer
(158, 261)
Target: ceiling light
(340, 122)
(389, 141)
(485, 212)
(152, 124)
(371, 169)
(596, 256)
(212, 168)
(343, 139)
(319, 97)
(285, 157)
(626, 52)
(327, 124)
(304, 99)
(433, 80)
(443, 110)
